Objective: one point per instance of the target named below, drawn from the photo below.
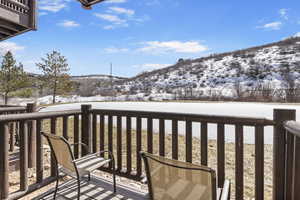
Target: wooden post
(12, 136)
(4, 161)
(30, 108)
(85, 127)
(279, 154)
(23, 156)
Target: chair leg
(89, 177)
(56, 187)
(114, 177)
(78, 189)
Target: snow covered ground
(258, 110)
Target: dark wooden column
(279, 151)
(86, 127)
(31, 107)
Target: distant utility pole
(111, 81)
(111, 77)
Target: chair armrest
(225, 195)
(82, 144)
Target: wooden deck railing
(292, 164)
(114, 129)
(33, 120)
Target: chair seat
(90, 163)
(86, 164)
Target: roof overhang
(87, 4)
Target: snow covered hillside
(262, 66)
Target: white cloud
(43, 13)
(53, 5)
(115, 1)
(68, 24)
(283, 13)
(151, 66)
(173, 46)
(297, 34)
(271, 26)
(122, 10)
(10, 46)
(116, 21)
(115, 50)
(110, 18)
(120, 17)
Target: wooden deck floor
(97, 189)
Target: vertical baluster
(94, 133)
(259, 162)
(31, 137)
(76, 135)
(4, 160)
(188, 142)
(39, 152)
(23, 156)
(119, 142)
(110, 136)
(290, 140)
(85, 128)
(204, 143)
(150, 135)
(101, 133)
(65, 127)
(221, 154)
(161, 137)
(138, 145)
(296, 177)
(175, 139)
(53, 131)
(12, 136)
(239, 162)
(128, 143)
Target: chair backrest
(175, 180)
(62, 151)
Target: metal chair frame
(147, 156)
(78, 177)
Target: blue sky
(140, 35)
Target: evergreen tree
(56, 74)
(12, 76)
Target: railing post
(3, 161)
(86, 127)
(30, 108)
(279, 151)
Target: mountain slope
(269, 65)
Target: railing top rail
(293, 127)
(37, 115)
(7, 106)
(11, 109)
(186, 116)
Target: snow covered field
(258, 110)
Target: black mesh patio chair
(175, 180)
(77, 168)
